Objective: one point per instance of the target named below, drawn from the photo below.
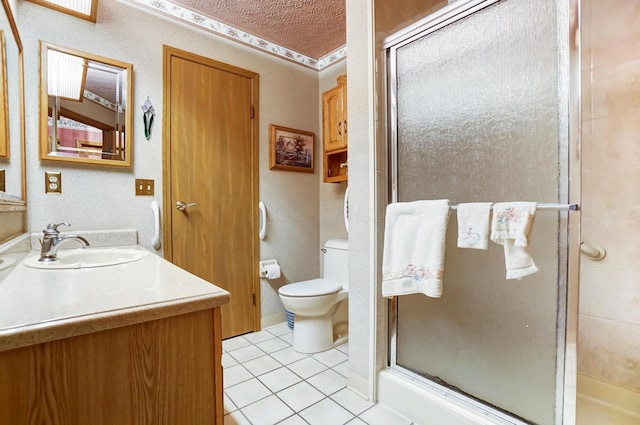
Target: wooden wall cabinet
(161, 372)
(335, 132)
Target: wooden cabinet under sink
(162, 372)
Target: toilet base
(315, 334)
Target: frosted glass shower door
(478, 117)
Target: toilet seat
(310, 288)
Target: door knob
(181, 206)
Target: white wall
(362, 283)
(102, 198)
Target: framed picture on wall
(290, 149)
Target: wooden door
(210, 158)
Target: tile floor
(266, 382)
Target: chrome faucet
(51, 242)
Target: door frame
(167, 53)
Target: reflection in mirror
(12, 180)
(84, 107)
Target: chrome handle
(55, 226)
(181, 206)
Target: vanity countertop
(44, 305)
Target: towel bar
(544, 207)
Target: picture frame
(291, 149)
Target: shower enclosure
(479, 111)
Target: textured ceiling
(314, 28)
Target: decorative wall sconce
(148, 113)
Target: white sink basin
(88, 257)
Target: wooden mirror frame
(9, 204)
(46, 152)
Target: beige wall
(609, 324)
(99, 198)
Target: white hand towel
(510, 227)
(414, 243)
(473, 225)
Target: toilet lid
(310, 288)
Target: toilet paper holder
(264, 263)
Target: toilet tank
(336, 261)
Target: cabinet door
(332, 122)
(343, 114)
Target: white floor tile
(351, 401)
(280, 329)
(229, 406)
(288, 355)
(326, 412)
(328, 381)
(293, 420)
(227, 360)
(307, 367)
(261, 365)
(246, 353)
(342, 369)
(271, 345)
(257, 337)
(288, 338)
(236, 418)
(344, 348)
(234, 343)
(381, 415)
(247, 392)
(279, 379)
(267, 411)
(234, 375)
(331, 357)
(357, 421)
(300, 396)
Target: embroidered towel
(414, 242)
(510, 227)
(473, 225)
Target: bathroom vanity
(133, 343)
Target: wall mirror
(85, 107)
(12, 170)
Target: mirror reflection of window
(86, 107)
(85, 9)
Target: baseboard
(358, 384)
(276, 319)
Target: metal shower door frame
(569, 190)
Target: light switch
(52, 182)
(144, 187)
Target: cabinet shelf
(335, 166)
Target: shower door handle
(181, 206)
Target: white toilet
(320, 305)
